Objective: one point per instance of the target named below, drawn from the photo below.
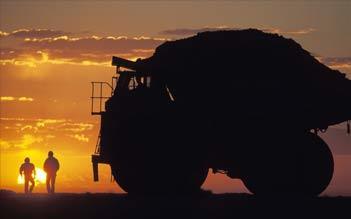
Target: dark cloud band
(34, 33)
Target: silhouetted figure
(28, 169)
(51, 166)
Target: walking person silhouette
(51, 166)
(29, 170)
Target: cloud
(22, 133)
(28, 140)
(7, 98)
(33, 33)
(85, 51)
(342, 64)
(31, 125)
(93, 46)
(50, 136)
(33, 120)
(193, 31)
(45, 46)
(289, 32)
(20, 99)
(25, 99)
(30, 128)
(4, 144)
(3, 34)
(44, 122)
(13, 119)
(76, 127)
(52, 125)
(80, 137)
(336, 62)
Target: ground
(207, 205)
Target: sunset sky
(51, 51)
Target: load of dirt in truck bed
(247, 53)
(251, 68)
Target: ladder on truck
(101, 91)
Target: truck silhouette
(244, 103)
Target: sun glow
(39, 178)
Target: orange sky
(50, 52)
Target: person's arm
(58, 165)
(21, 170)
(45, 166)
(34, 171)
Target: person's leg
(31, 180)
(26, 181)
(53, 179)
(48, 178)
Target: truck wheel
(304, 166)
(152, 182)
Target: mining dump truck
(244, 103)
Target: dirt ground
(216, 206)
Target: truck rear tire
(304, 166)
